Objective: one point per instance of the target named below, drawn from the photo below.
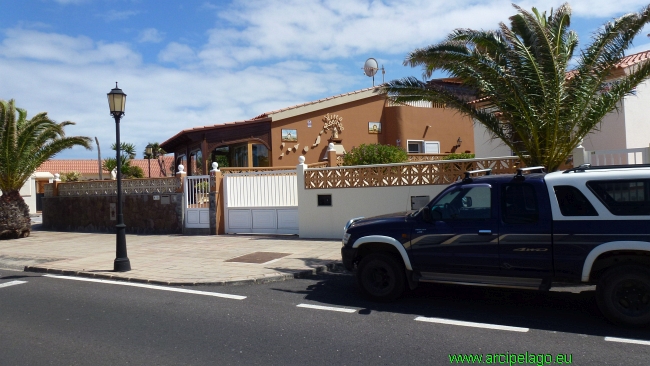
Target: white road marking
(330, 308)
(153, 287)
(626, 340)
(11, 283)
(470, 324)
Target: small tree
(127, 153)
(70, 176)
(157, 153)
(25, 144)
(368, 154)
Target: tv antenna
(371, 67)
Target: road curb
(333, 266)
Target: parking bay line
(11, 283)
(330, 308)
(470, 324)
(627, 340)
(153, 287)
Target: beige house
(278, 137)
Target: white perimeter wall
(485, 147)
(328, 221)
(637, 117)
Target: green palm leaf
(531, 100)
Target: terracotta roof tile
(264, 115)
(89, 166)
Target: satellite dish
(370, 67)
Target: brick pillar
(331, 155)
(181, 174)
(217, 177)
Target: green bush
(70, 176)
(133, 171)
(368, 154)
(455, 156)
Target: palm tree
(157, 153)
(526, 93)
(25, 144)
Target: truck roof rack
(585, 167)
(468, 174)
(532, 169)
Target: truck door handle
(485, 232)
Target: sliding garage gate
(261, 202)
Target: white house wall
(328, 221)
(485, 147)
(611, 132)
(637, 119)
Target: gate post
(217, 225)
(180, 174)
(580, 156)
(300, 183)
(331, 155)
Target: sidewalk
(172, 259)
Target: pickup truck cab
(588, 225)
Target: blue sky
(191, 63)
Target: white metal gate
(197, 201)
(261, 202)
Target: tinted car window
(623, 198)
(573, 203)
(466, 203)
(519, 204)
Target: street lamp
(116, 103)
(149, 151)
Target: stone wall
(142, 214)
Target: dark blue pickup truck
(531, 230)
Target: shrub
(368, 154)
(455, 156)
(133, 171)
(70, 176)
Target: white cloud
(113, 15)
(52, 47)
(150, 35)
(176, 53)
(261, 55)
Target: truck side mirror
(467, 201)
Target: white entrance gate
(197, 201)
(261, 202)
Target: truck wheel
(380, 277)
(623, 295)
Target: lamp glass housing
(149, 150)
(116, 100)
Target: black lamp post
(149, 151)
(117, 102)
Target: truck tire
(381, 277)
(623, 295)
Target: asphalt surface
(53, 321)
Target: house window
(240, 155)
(260, 155)
(196, 163)
(421, 146)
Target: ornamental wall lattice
(409, 174)
(109, 187)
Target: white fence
(619, 157)
(261, 202)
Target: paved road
(54, 321)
